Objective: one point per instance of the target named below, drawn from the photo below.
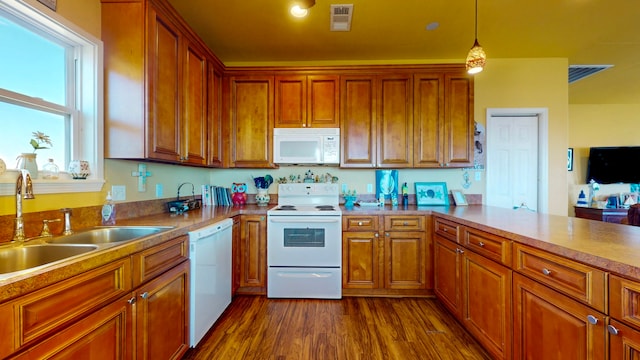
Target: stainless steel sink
(108, 234)
(16, 258)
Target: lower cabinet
(550, 325)
(624, 341)
(386, 255)
(134, 307)
(252, 255)
(235, 255)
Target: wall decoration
(570, 159)
(480, 139)
(432, 193)
(386, 183)
(458, 198)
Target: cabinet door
(624, 342)
(358, 114)
(104, 334)
(164, 83)
(428, 120)
(253, 255)
(405, 260)
(486, 292)
(458, 125)
(195, 105)
(162, 315)
(395, 121)
(252, 122)
(549, 325)
(360, 260)
(446, 263)
(214, 114)
(291, 101)
(323, 101)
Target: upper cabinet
(307, 101)
(156, 85)
(251, 121)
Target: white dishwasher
(210, 290)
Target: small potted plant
(262, 185)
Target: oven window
(303, 237)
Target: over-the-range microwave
(298, 146)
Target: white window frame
(87, 141)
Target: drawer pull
(592, 319)
(376, 235)
(612, 330)
(132, 301)
(386, 234)
(444, 229)
(359, 223)
(481, 244)
(144, 295)
(405, 223)
(546, 272)
(459, 251)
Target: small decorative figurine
(239, 196)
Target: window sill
(65, 184)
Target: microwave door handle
(304, 221)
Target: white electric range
(304, 242)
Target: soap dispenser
(108, 211)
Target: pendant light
(476, 57)
(301, 8)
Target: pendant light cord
(476, 23)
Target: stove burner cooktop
(286, 207)
(325, 207)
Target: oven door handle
(304, 221)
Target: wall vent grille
(341, 17)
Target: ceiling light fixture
(301, 8)
(476, 58)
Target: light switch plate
(159, 190)
(118, 192)
(478, 176)
(344, 188)
(369, 188)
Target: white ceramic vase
(27, 161)
(262, 197)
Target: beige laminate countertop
(611, 247)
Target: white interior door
(512, 161)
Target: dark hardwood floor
(254, 327)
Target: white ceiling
(261, 32)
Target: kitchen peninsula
(577, 265)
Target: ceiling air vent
(341, 17)
(578, 72)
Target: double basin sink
(28, 256)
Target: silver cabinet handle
(132, 301)
(405, 223)
(359, 223)
(445, 229)
(376, 235)
(459, 251)
(592, 319)
(481, 244)
(144, 295)
(546, 272)
(386, 234)
(612, 330)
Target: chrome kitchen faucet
(23, 183)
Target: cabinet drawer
(582, 282)
(47, 309)
(154, 261)
(446, 229)
(624, 300)
(403, 223)
(360, 223)
(488, 245)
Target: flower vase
(262, 197)
(27, 161)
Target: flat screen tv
(612, 165)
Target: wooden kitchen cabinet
(156, 73)
(253, 255)
(251, 121)
(550, 325)
(307, 101)
(358, 130)
(390, 255)
(214, 115)
(236, 267)
(474, 288)
(395, 121)
(624, 341)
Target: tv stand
(606, 215)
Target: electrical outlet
(344, 188)
(118, 192)
(159, 190)
(478, 176)
(369, 188)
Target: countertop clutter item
(179, 206)
(50, 170)
(108, 211)
(27, 161)
(79, 169)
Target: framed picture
(570, 159)
(386, 183)
(458, 198)
(432, 193)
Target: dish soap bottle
(108, 211)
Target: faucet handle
(45, 227)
